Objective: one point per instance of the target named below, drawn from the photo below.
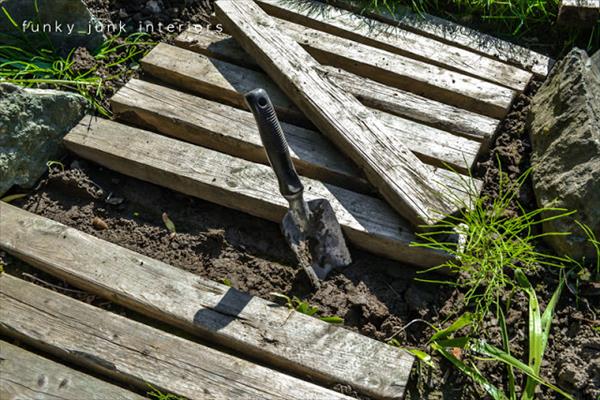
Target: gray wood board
(138, 354)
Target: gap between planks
(399, 176)
(250, 325)
(136, 354)
(346, 24)
(368, 223)
(25, 375)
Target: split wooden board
(25, 375)
(368, 222)
(252, 326)
(223, 48)
(458, 35)
(137, 354)
(349, 25)
(400, 177)
(233, 131)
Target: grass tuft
(493, 244)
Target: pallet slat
(24, 375)
(372, 94)
(400, 177)
(405, 73)
(249, 325)
(458, 35)
(252, 188)
(137, 354)
(234, 131)
(371, 32)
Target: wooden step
(373, 94)
(251, 326)
(369, 223)
(136, 354)
(457, 35)
(374, 33)
(233, 131)
(398, 71)
(399, 176)
(24, 375)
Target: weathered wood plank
(371, 32)
(235, 183)
(458, 35)
(424, 79)
(24, 375)
(400, 177)
(137, 354)
(249, 325)
(372, 94)
(233, 131)
(230, 130)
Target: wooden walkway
(429, 100)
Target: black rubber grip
(273, 139)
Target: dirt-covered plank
(250, 325)
(25, 375)
(399, 71)
(233, 131)
(399, 176)
(232, 182)
(578, 12)
(137, 354)
(371, 93)
(371, 32)
(458, 35)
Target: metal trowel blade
(321, 245)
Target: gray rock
(564, 125)
(59, 24)
(32, 125)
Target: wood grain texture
(458, 35)
(233, 131)
(374, 33)
(400, 177)
(371, 93)
(405, 73)
(136, 354)
(242, 185)
(249, 325)
(24, 375)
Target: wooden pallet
(135, 354)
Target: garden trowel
(311, 228)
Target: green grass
(40, 65)
(156, 394)
(473, 348)
(495, 244)
(507, 18)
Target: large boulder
(32, 125)
(564, 126)
(55, 24)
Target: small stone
(99, 224)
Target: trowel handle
(273, 139)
